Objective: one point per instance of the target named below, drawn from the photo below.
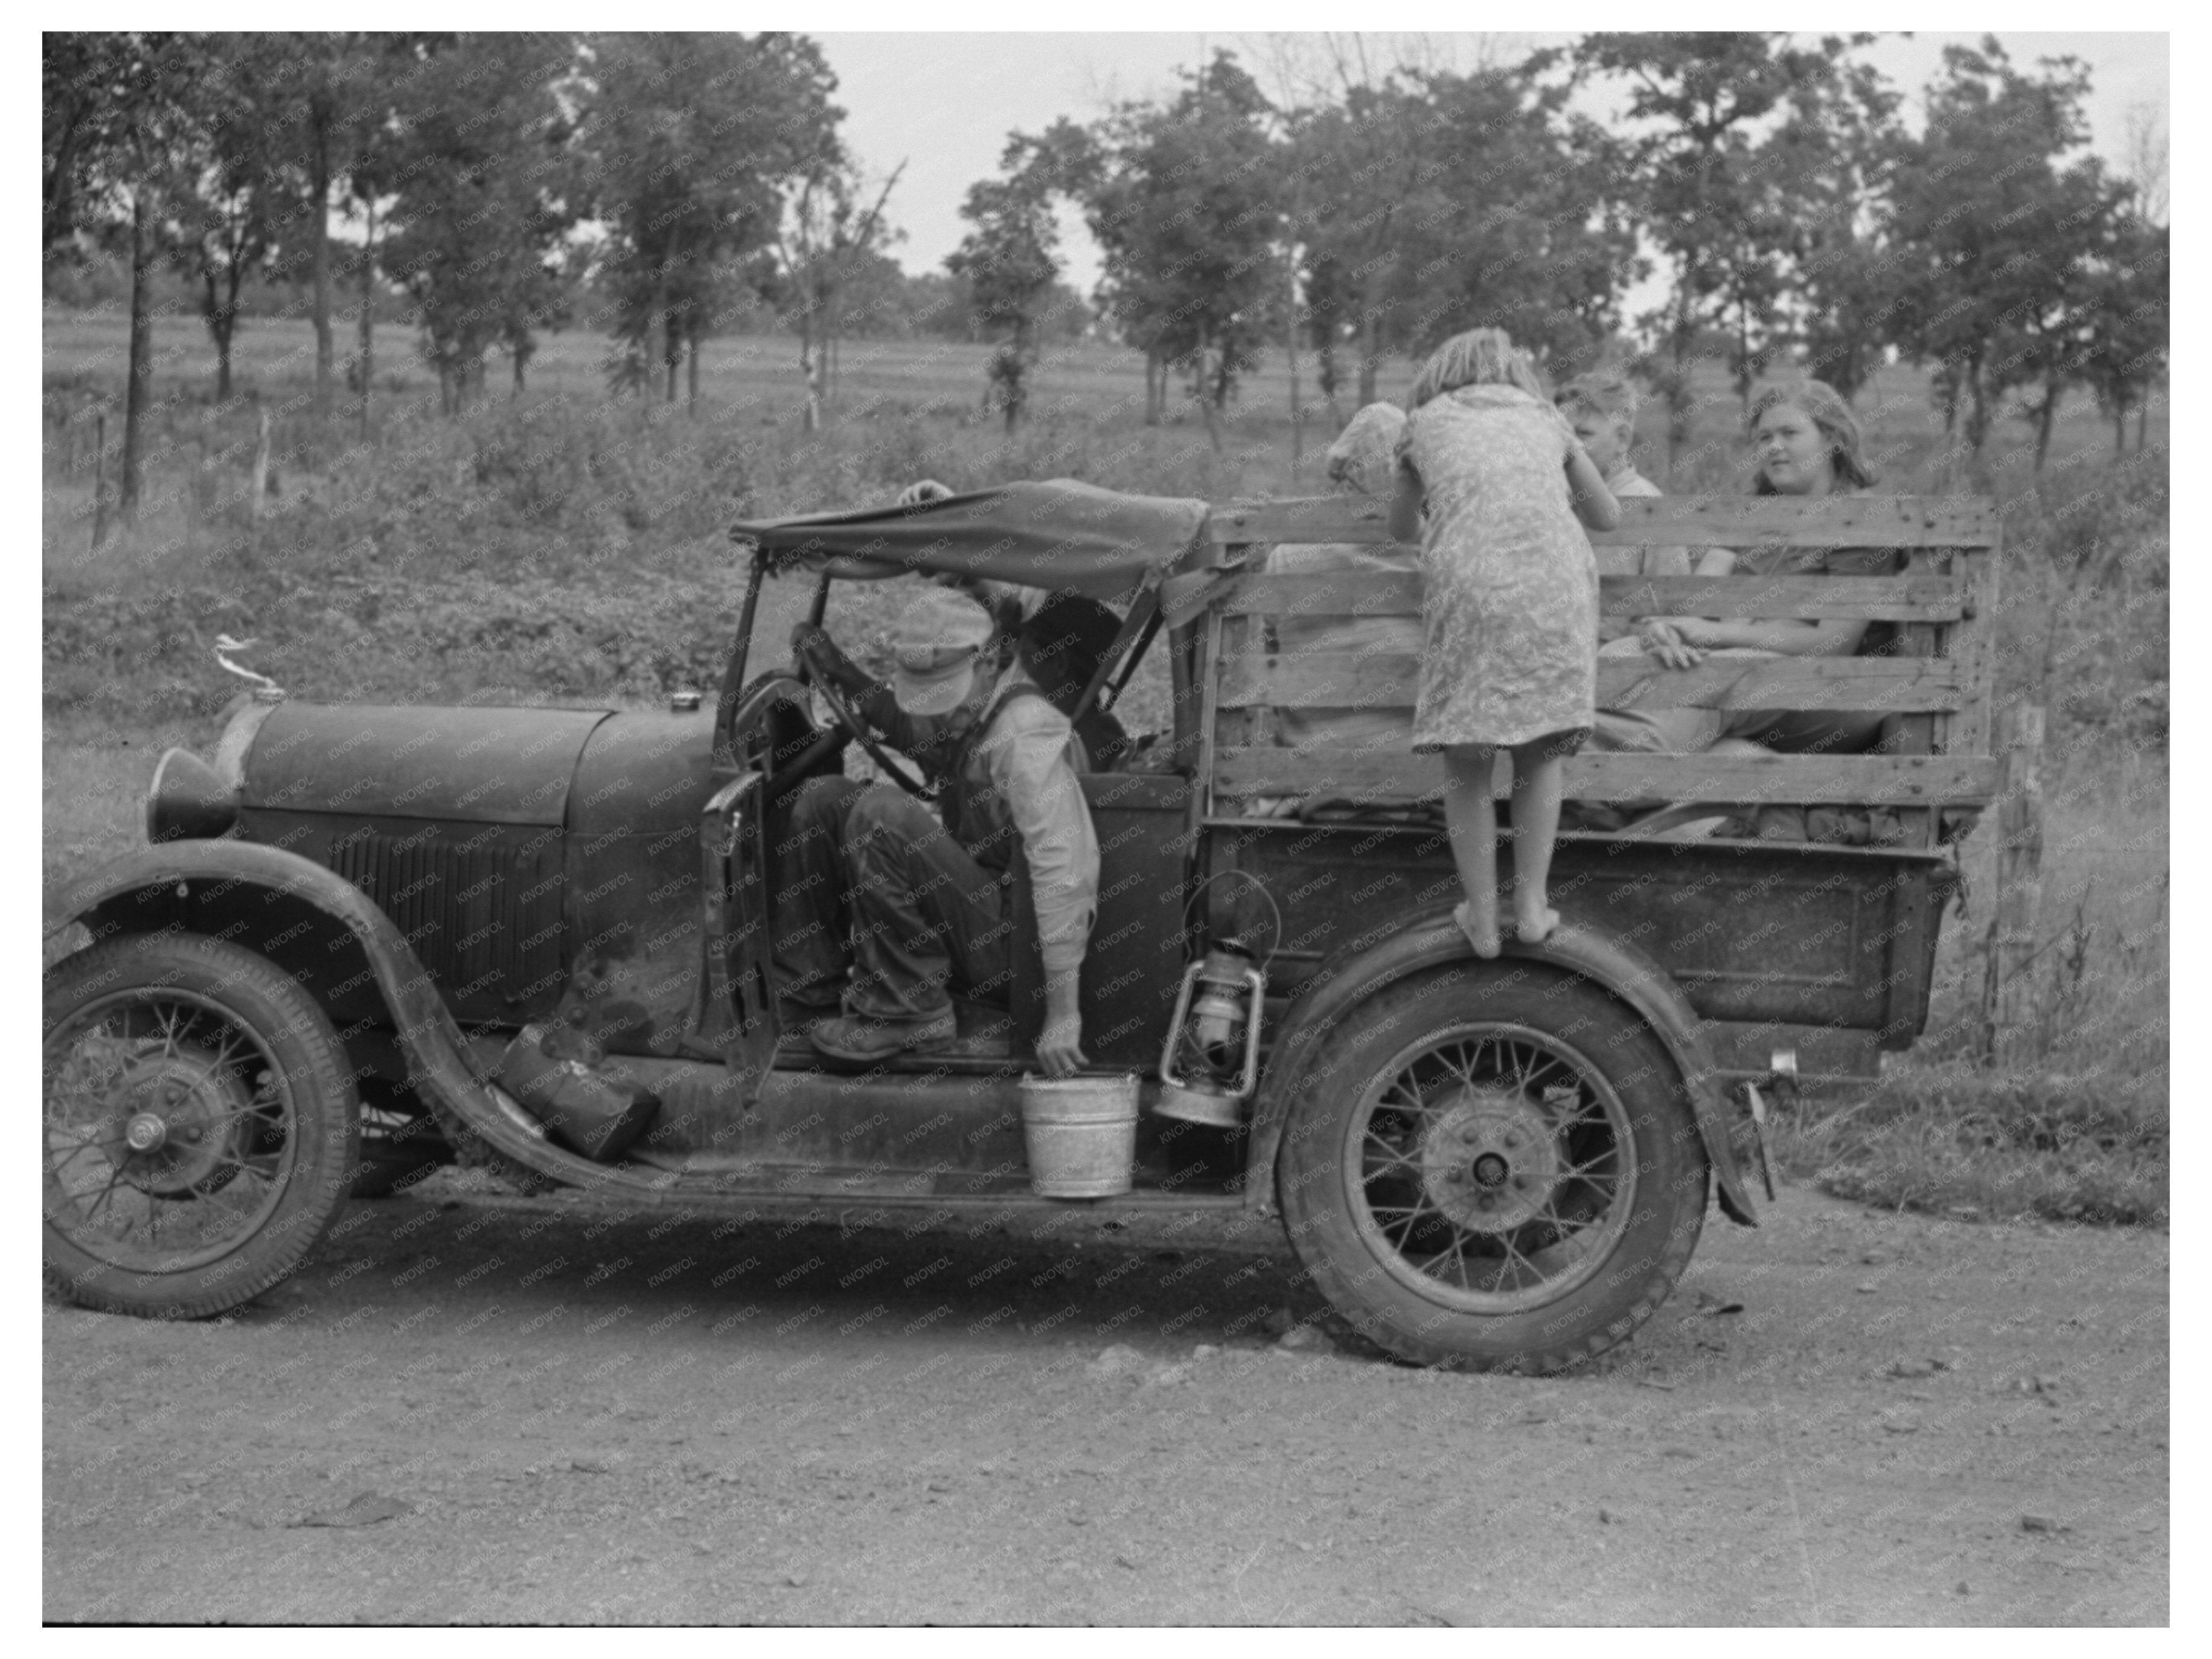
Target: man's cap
(935, 647)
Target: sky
(944, 103)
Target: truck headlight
(189, 800)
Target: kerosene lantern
(1209, 1065)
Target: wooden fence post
(261, 485)
(99, 480)
(1290, 348)
(2009, 1034)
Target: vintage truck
(343, 919)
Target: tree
(1537, 248)
(483, 190)
(1705, 189)
(327, 94)
(2126, 357)
(1834, 156)
(83, 125)
(2148, 160)
(872, 300)
(1434, 202)
(1010, 261)
(693, 140)
(377, 162)
(938, 303)
(124, 148)
(2124, 354)
(1353, 166)
(824, 236)
(1183, 199)
(1994, 234)
(2045, 342)
(223, 225)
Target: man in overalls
(926, 904)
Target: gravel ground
(510, 1409)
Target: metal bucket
(1081, 1133)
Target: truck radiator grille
(484, 920)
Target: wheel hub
(1490, 1161)
(183, 1113)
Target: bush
(552, 546)
(1947, 1140)
(354, 638)
(2084, 624)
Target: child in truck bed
(1509, 608)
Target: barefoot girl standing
(1508, 608)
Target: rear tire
(1493, 1167)
(200, 1126)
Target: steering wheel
(824, 686)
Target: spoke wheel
(198, 1126)
(1492, 1168)
(1471, 1184)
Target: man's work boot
(863, 1039)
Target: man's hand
(1060, 1048)
(812, 646)
(803, 636)
(1059, 1045)
(925, 490)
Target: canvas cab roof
(1058, 534)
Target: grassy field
(903, 409)
(561, 546)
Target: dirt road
(527, 1409)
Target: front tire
(1493, 1167)
(200, 1126)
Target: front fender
(1432, 939)
(267, 893)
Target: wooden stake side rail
(1933, 681)
(1368, 775)
(1907, 521)
(1344, 679)
(1936, 598)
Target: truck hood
(488, 765)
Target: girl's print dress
(1509, 584)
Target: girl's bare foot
(1535, 931)
(1484, 937)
